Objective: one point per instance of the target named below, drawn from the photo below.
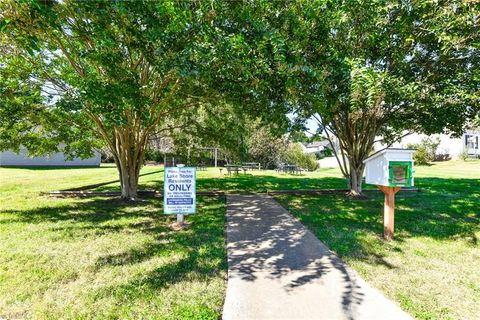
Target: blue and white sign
(179, 190)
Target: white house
(471, 141)
(316, 146)
(319, 146)
(449, 148)
(12, 159)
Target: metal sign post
(180, 218)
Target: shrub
(153, 155)
(264, 147)
(325, 153)
(296, 156)
(425, 150)
(421, 155)
(464, 155)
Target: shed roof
(385, 151)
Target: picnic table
(288, 168)
(234, 168)
(201, 167)
(251, 165)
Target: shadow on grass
(98, 185)
(248, 183)
(46, 168)
(194, 253)
(447, 209)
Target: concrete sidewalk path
(277, 269)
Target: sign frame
(194, 190)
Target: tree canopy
(78, 73)
(370, 69)
(123, 71)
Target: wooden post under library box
(389, 211)
(390, 170)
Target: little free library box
(390, 170)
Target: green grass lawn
(213, 179)
(433, 267)
(101, 258)
(95, 257)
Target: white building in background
(12, 159)
(471, 143)
(449, 148)
(316, 146)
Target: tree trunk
(129, 182)
(355, 180)
(128, 153)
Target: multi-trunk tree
(122, 69)
(119, 72)
(376, 70)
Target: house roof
(315, 144)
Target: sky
(312, 126)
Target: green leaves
(3, 24)
(409, 54)
(137, 64)
(26, 120)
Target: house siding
(449, 147)
(12, 159)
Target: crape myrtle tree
(123, 69)
(120, 71)
(264, 146)
(370, 69)
(24, 120)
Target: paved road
(277, 269)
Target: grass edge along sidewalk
(434, 259)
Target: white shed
(12, 159)
(391, 168)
